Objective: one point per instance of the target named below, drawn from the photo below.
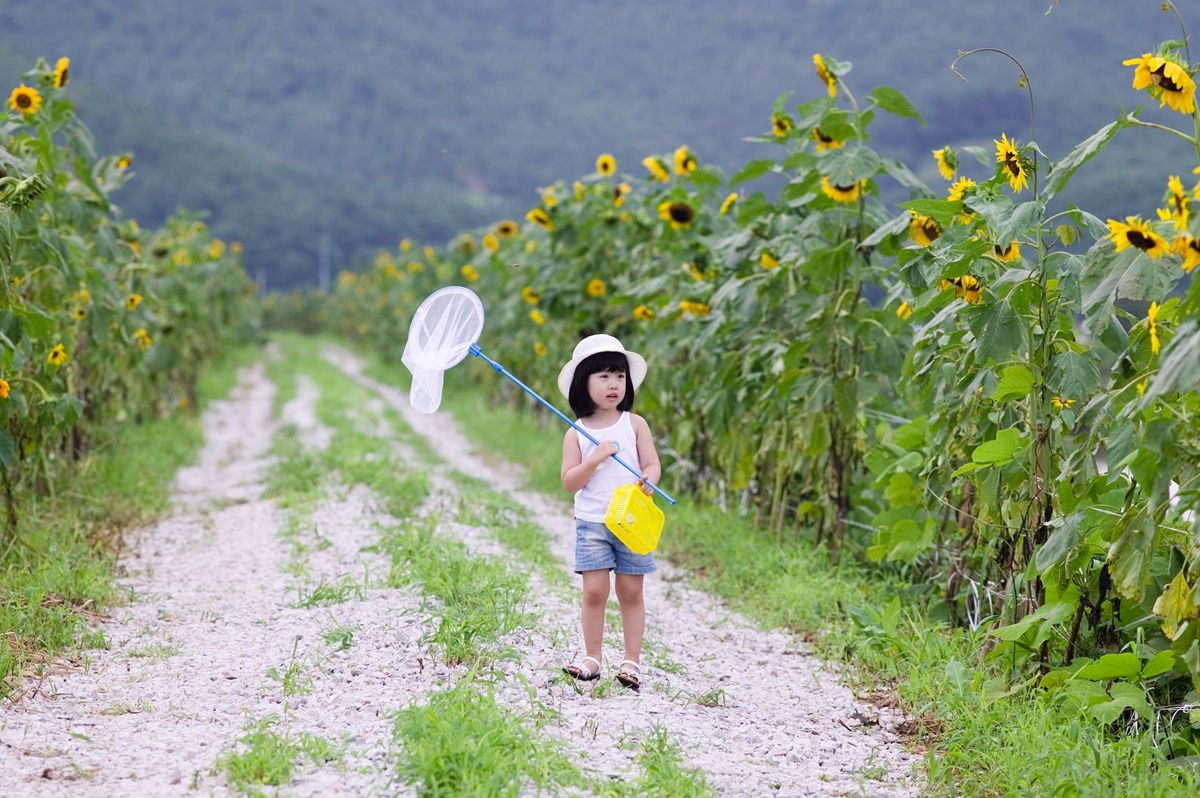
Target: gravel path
(200, 651)
(783, 725)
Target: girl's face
(606, 389)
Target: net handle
(477, 352)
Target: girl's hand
(646, 489)
(602, 452)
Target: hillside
(373, 120)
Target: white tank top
(591, 501)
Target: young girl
(599, 382)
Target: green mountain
(366, 121)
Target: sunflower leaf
(752, 170)
(897, 225)
(1001, 449)
(905, 177)
(1180, 364)
(851, 165)
(894, 102)
(1083, 152)
(1015, 383)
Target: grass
(1016, 745)
(474, 601)
(266, 757)
(58, 575)
(461, 742)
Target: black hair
(578, 397)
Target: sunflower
(430, 254)
(694, 308)
(539, 349)
(963, 187)
(1188, 248)
(643, 313)
(947, 162)
(825, 75)
(25, 100)
(768, 260)
(620, 191)
(549, 198)
(124, 161)
(839, 193)
(216, 249)
(79, 312)
(530, 296)
(62, 71)
(182, 257)
(580, 190)
(694, 271)
(506, 228)
(904, 311)
(1133, 232)
(1015, 169)
(781, 125)
(966, 287)
(143, 338)
(656, 168)
(685, 162)
(536, 317)
(236, 248)
(4, 389)
(728, 203)
(1152, 326)
(57, 356)
(825, 142)
(539, 217)
(1008, 254)
(405, 244)
(1178, 204)
(923, 229)
(596, 288)
(1167, 81)
(415, 267)
(490, 242)
(82, 297)
(606, 164)
(1059, 403)
(531, 246)
(470, 273)
(679, 214)
(132, 301)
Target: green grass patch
(461, 742)
(58, 572)
(474, 601)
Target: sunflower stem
(1164, 128)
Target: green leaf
(1180, 368)
(1074, 375)
(1130, 274)
(894, 102)
(752, 207)
(1020, 219)
(1175, 606)
(999, 331)
(944, 212)
(1130, 556)
(905, 176)
(1001, 449)
(8, 449)
(1061, 543)
(1124, 696)
(890, 227)
(752, 170)
(1015, 383)
(1084, 151)
(1160, 663)
(850, 165)
(1111, 666)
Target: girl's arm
(575, 470)
(647, 454)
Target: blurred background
(313, 129)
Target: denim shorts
(597, 549)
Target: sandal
(583, 674)
(630, 674)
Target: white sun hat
(594, 344)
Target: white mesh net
(440, 336)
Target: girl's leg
(595, 597)
(633, 613)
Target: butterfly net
(440, 336)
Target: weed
(261, 757)
(340, 637)
(325, 593)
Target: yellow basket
(634, 518)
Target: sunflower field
(101, 322)
(988, 392)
